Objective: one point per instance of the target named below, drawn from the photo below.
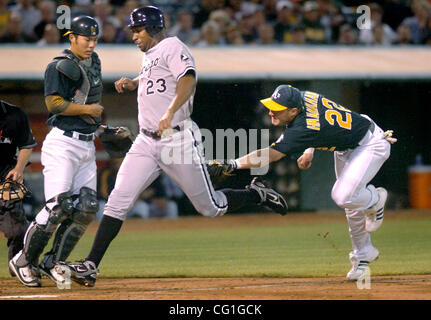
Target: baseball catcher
(73, 96)
(116, 140)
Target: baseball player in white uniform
(168, 141)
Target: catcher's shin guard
(38, 235)
(72, 229)
(35, 241)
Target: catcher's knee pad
(63, 208)
(87, 206)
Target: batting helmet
(151, 18)
(84, 26)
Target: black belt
(79, 136)
(154, 135)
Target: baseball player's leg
(73, 228)
(69, 232)
(138, 170)
(58, 177)
(196, 184)
(25, 262)
(351, 191)
(359, 237)
(354, 169)
(183, 161)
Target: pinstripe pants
(181, 157)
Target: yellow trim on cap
(272, 105)
(68, 32)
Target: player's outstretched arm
(259, 158)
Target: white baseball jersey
(161, 68)
(180, 155)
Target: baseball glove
(12, 191)
(220, 170)
(116, 140)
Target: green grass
(309, 250)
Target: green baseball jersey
(322, 124)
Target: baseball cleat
(12, 273)
(359, 267)
(26, 273)
(48, 268)
(83, 272)
(374, 220)
(268, 197)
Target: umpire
(15, 133)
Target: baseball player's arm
(185, 87)
(17, 173)
(58, 105)
(259, 158)
(304, 161)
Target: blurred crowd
(230, 22)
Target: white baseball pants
(354, 169)
(69, 164)
(181, 157)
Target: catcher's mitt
(116, 141)
(11, 190)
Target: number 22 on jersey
(334, 113)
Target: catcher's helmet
(149, 17)
(84, 26)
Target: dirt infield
(404, 287)
(391, 287)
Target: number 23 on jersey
(159, 85)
